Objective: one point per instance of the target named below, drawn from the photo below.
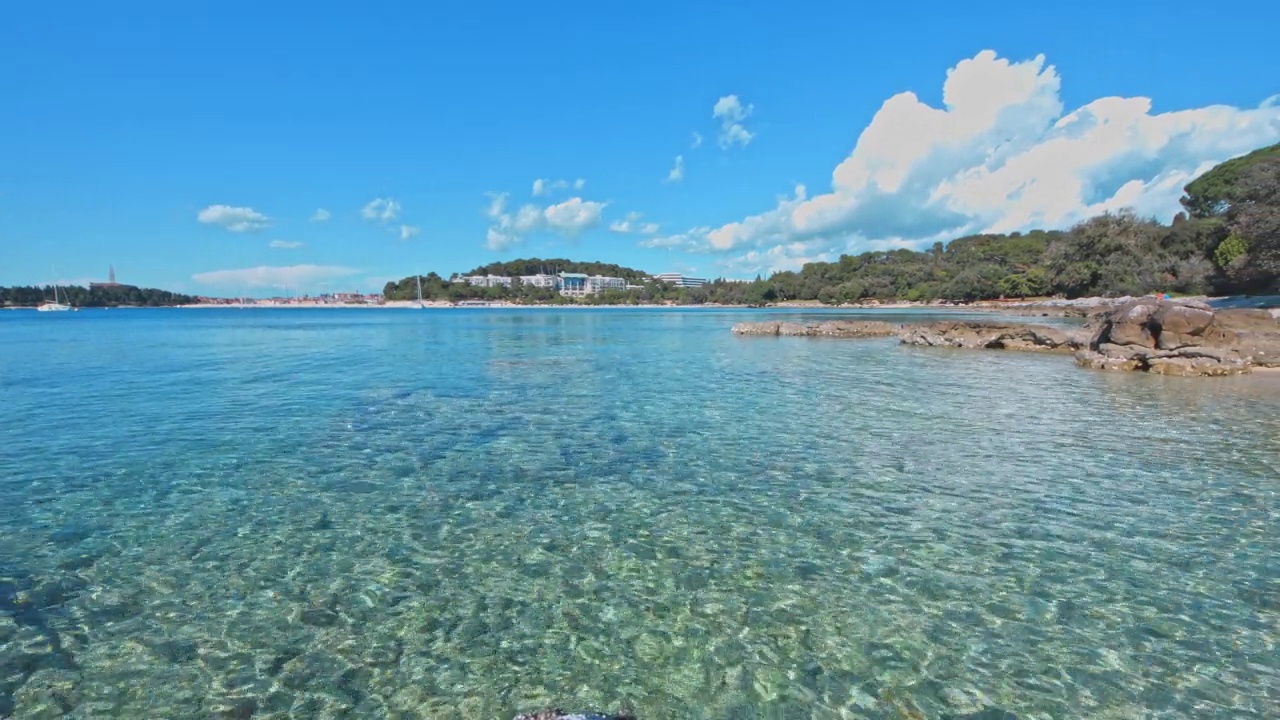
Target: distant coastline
(1044, 307)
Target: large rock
(1180, 326)
(1178, 338)
(1132, 324)
(990, 335)
(830, 328)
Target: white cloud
(546, 187)
(697, 141)
(381, 209)
(731, 113)
(631, 224)
(573, 215)
(235, 219)
(567, 219)
(321, 215)
(273, 276)
(408, 231)
(999, 155)
(694, 240)
(789, 256)
(677, 171)
(497, 204)
(286, 244)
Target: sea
(469, 513)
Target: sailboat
(54, 306)
(420, 305)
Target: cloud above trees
(1000, 154)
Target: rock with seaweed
(29, 642)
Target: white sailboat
(420, 305)
(54, 306)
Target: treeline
(1226, 242)
(537, 266)
(77, 296)
(436, 288)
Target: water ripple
(465, 514)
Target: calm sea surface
(467, 513)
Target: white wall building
(488, 280)
(539, 281)
(680, 280)
(598, 283)
(568, 284)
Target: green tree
(1229, 250)
(1219, 189)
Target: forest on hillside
(78, 296)
(551, 266)
(1227, 241)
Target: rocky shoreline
(1183, 337)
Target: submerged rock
(830, 328)
(557, 714)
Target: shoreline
(1043, 307)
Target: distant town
(489, 286)
(566, 284)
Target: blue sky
(192, 145)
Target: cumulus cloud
(381, 209)
(573, 215)
(546, 187)
(631, 224)
(677, 170)
(273, 276)
(694, 240)
(286, 244)
(235, 219)
(567, 219)
(320, 215)
(408, 231)
(789, 256)
(999, 155)
(731, 113)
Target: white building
(488, 281)
(539, 281)
(679, 280)
(598, 283)
(580, 285)
(568, 284)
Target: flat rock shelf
(1147, 334)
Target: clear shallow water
(462, 514)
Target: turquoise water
(467, 513)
